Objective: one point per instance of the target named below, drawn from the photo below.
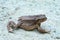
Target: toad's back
(35, 17)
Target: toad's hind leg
(11, 26)
(9, 29)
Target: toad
(31, 22)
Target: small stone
(10, 17)
(57, 37)
(53, 0)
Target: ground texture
(12, 9)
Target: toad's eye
(43, 19)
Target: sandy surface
(12, 9)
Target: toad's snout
(43, 19)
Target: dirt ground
(12, 9)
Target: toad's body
(31, 22)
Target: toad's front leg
(41, 30)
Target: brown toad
(31, 22)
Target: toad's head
(41, 18)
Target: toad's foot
(42, 30)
